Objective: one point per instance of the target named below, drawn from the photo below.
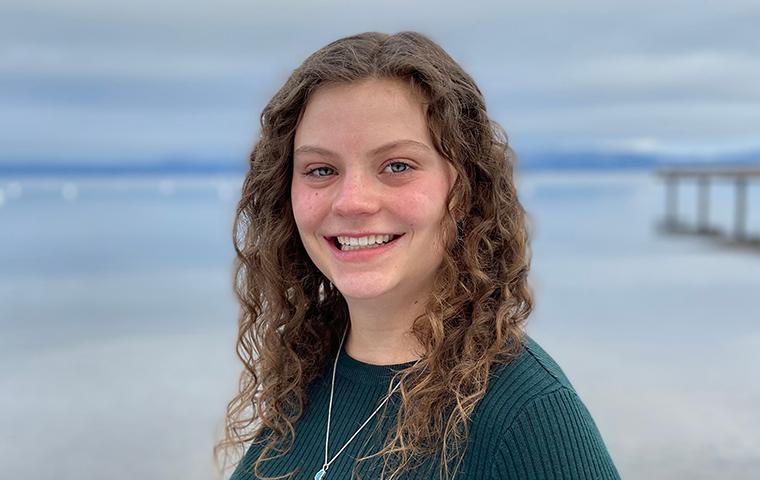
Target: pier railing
(740, 177)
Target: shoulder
(533, 424)
(515, 385)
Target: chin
(353, 290)
(354, 294)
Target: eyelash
(310, 173)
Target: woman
(382, 271)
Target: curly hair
(292, 317)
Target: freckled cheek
(308, 210)
(417, 210)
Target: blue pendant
(319, 474)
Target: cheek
(427, 215)
(307, 207)
(419, 210)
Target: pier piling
(741, 176)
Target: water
(118, 325)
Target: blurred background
(124, 134)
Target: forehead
(362, 115)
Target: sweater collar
(366, 373)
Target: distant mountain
(590, 160)
(526, 161)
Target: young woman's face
(365, 170)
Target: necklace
(320, 474)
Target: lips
(360, 254)
(394, 236)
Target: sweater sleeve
(553, 437)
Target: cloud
(84, 77)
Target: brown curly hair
(292, 317)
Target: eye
(311, 173)
(403, 167)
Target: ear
(453, 174)
(455, 204)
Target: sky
(143, 81)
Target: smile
(346, 243)
(351, 249)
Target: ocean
(118, 323)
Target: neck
(380, 333)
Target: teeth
(352, 243)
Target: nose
(357, 194)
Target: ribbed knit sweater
(531, 424)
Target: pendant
(319, 474)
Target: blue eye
(395, 170)
(395, 167)
(311, 172)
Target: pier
(739, 177)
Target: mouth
(345, 244)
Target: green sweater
(531, 424)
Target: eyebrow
(375, 152)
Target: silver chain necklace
(320, 474)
